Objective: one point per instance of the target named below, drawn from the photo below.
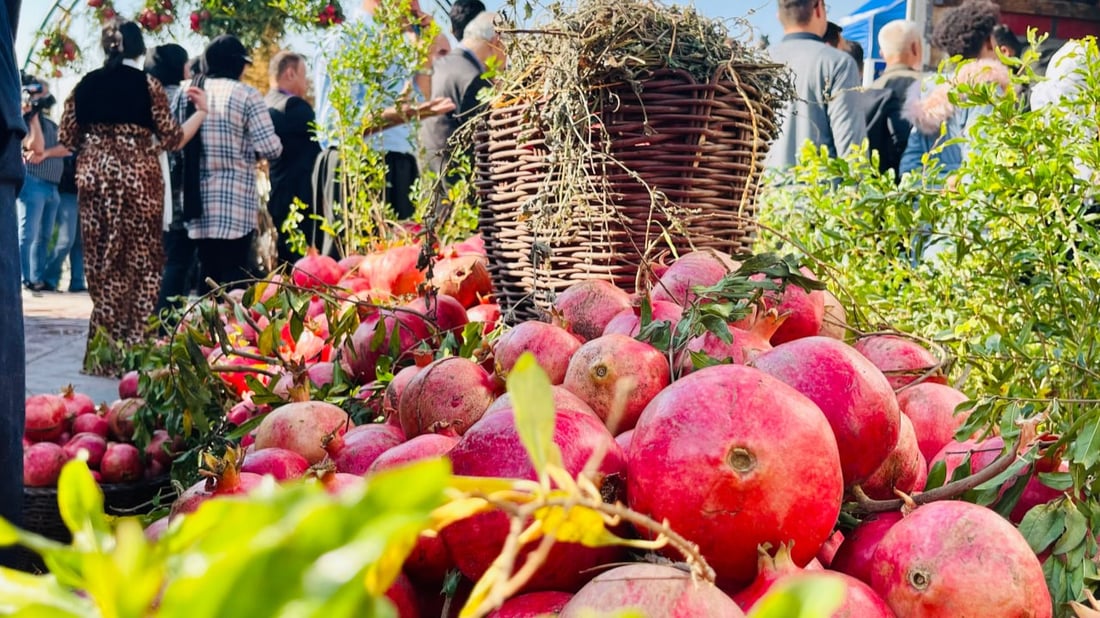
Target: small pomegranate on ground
(586, 307)
(853, 394)
(950, 559)
(902, 360)
(652, 590)
(447, 396)
(721, 450)
(551, 345)
(617, 376)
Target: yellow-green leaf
(801, 597)
(381, 574)
(80, 501)
(456, 510)
(533, 403)
(575, 525)
(9, 534)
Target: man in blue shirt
(393, 134)
(12, 359)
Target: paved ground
(56, 331)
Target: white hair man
(902, 46)
(460, 76)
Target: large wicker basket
(42, 516)
(700, 145)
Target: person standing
(459, 76)
(902, 47)
(168, 64)
(394, 137)
(12, 353)
(235, 137)
(463, 12)
(68, 245)
(292, 117)
(826, 110)
(38, 199)
(117, 120)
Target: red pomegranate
(485, 313)
(420, 447)
(702, 268)
(403, 596)
(444, 311)
(120, 418)
(551, 345)
(359, 356)
(466, 278)
(949, 559)
(391, 398)
(77, 403)
(492, 448)
(95, 444)
(731, 448)
(121, 463)
(629, 321)
(45, 417)
(904, 468)
(653, 590)
(617, 376)
(128, 385)
(316, 271)
(448, 395)
(855, 556)
(223, 478)
(354, 452)
(280, 463)
(586, 307)
(853, 394)
(301, 427)
(859, 600)
(902, 360)
(92, 423)
(42, 463)
(744, 345)
(835, 321)
(931, 407)
(804, 312)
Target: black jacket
(291, 172)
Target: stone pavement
(56, 327)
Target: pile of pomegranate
(58, 427)
(750, 458)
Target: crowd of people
(148, 184)
(907, 115)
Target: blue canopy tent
(865, 22)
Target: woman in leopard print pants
(113, 120)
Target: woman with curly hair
(965, 32)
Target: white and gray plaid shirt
(235, 135)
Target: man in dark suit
(460, 76)
(12, 353)
(292, 171)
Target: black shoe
(42, 286)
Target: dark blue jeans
(12, 364)
(68, 246)
(38, 203)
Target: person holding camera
(39, 198)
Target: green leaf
(533, 401)
(801, 597)
(1062, 481)
(1086, 448)
(23, 594)
(937, 475)
(1076, 527)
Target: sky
(759, 13)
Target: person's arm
(847, 119)
(35, 141)
(259, 128)
(403, 112)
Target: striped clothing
(50, 169)
(237, 133)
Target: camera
(31, 88)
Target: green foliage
(292, 550)
(1000, 263)
(801, 598)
